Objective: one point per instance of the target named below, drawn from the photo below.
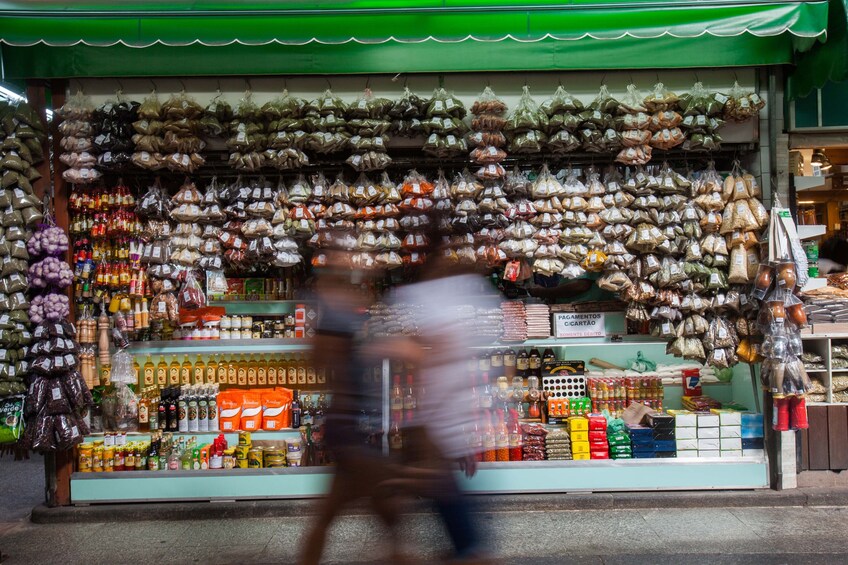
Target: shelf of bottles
(170, 347)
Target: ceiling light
(820, 159)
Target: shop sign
(573, 324)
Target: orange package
(229, 406)
(251, 411)
(276, 409)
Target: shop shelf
(219, 346)
(257, 307)
(491, 478)
(231, 437)
(809, 182)
(814, 284)
(581, 341)
(809, 232)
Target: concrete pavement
(803, 528)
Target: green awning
(99, 38)
(824, 62)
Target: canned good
(241, 463)
(241, 451)
(85, 455)
(255, 458)
(224, 334)
(275, 457)
(294, 459)
(244, 438)
(230, 461)
(246, 334)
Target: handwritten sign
(572, 324)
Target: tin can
(230, 459)
(85, 456)
(244, 438)
(241, 463)
(255, 458)
(275, 457)
(241, 451)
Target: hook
(182, 84)
(368, 82)
(329, 86)
(155, 88)
(396, 77)
(218, 88)
(603, 79)
(248, 88)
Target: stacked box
(619, 444)
(730, 432)
(685, 433)
(558, 445)
(641, 441)
(578, 429)
(752, 435)
(662, 428)
(598, 446)
(709, 435)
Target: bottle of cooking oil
(199, 371)
(162, 373)
(301, 370)
(273, 365)
(291, 370)
(149, 372)
(251, 371)
(232, 371)
(185, 371)
(211, 370)
(262, 371)
(174, 372)
(241, 367)
(137, 374)
(221, 371)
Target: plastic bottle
(182, 405)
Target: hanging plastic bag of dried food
(527, 115)
(604, 102)
(661, 99)
(488, 104)
(742, 105)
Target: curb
(229, 510)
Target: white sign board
(572, 324)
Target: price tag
(722, 332)
(162, 307)
(449, 104)
(714, 279)
(451, 140)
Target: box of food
(728, 417)
(709, 444)
(579, 436)
(580, 456)
(754, 453)
(687, 453)
(702, 454)
(686, 433)
(731, 453)
(707, 420)
(687, 444)
(580, 447)
(709, 433)
(731, 444)
(684, 418)
(730, 431)
(578, 424)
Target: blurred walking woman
(360, 465)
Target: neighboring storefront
(587, 130)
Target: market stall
(196, 209)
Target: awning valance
(97, 38)
(826, 61)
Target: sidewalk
(750, 527)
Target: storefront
(818, 157)
(615, 116)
